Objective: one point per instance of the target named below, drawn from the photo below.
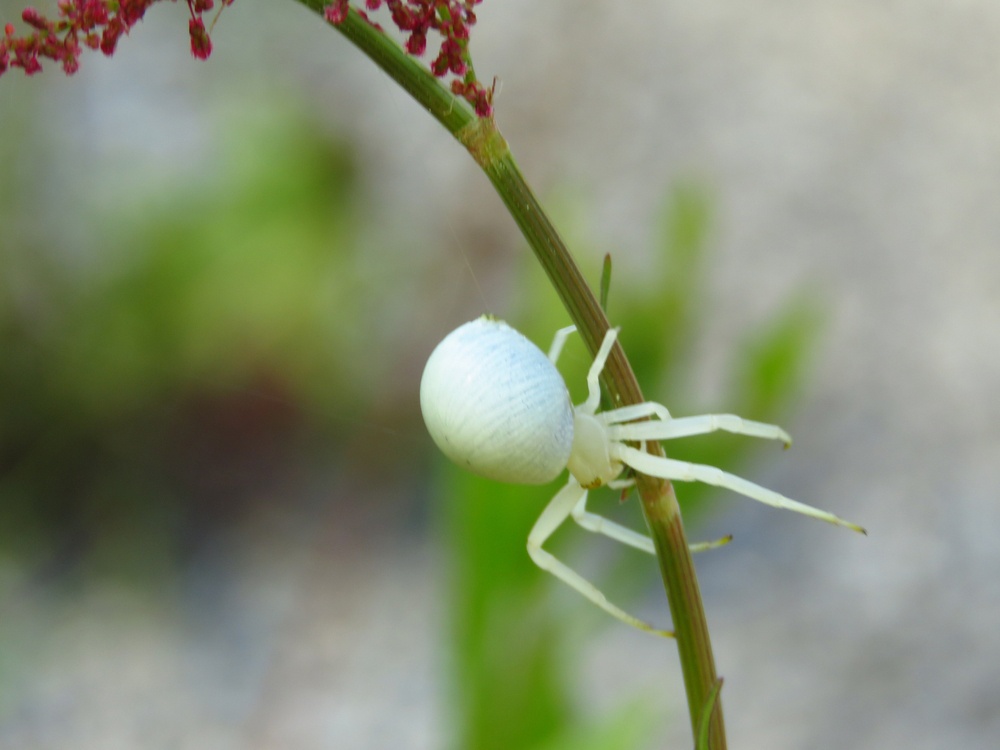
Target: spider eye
(495, 404)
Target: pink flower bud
(336, 12)
(416, 44)
(201, 44)
(33, 18)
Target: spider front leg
(593, 384)
(682, 471)
(557, 511)
(669, 428)
(558, 342)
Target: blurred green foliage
(138, 393)
(211, 320)
(514, 628)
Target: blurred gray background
(851, 150)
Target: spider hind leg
(558, 510)
(600, 525)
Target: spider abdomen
(495, 404)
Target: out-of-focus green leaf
(773, 361)
(509, 685)
(629, 726)
(230, 298)
(660, 320)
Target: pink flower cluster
(96, 24)
(452, 20)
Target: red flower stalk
(97, 24)
(452, 20)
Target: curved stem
(484, 142)
(659, 503)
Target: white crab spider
(494, 403)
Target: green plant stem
(484, 142)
